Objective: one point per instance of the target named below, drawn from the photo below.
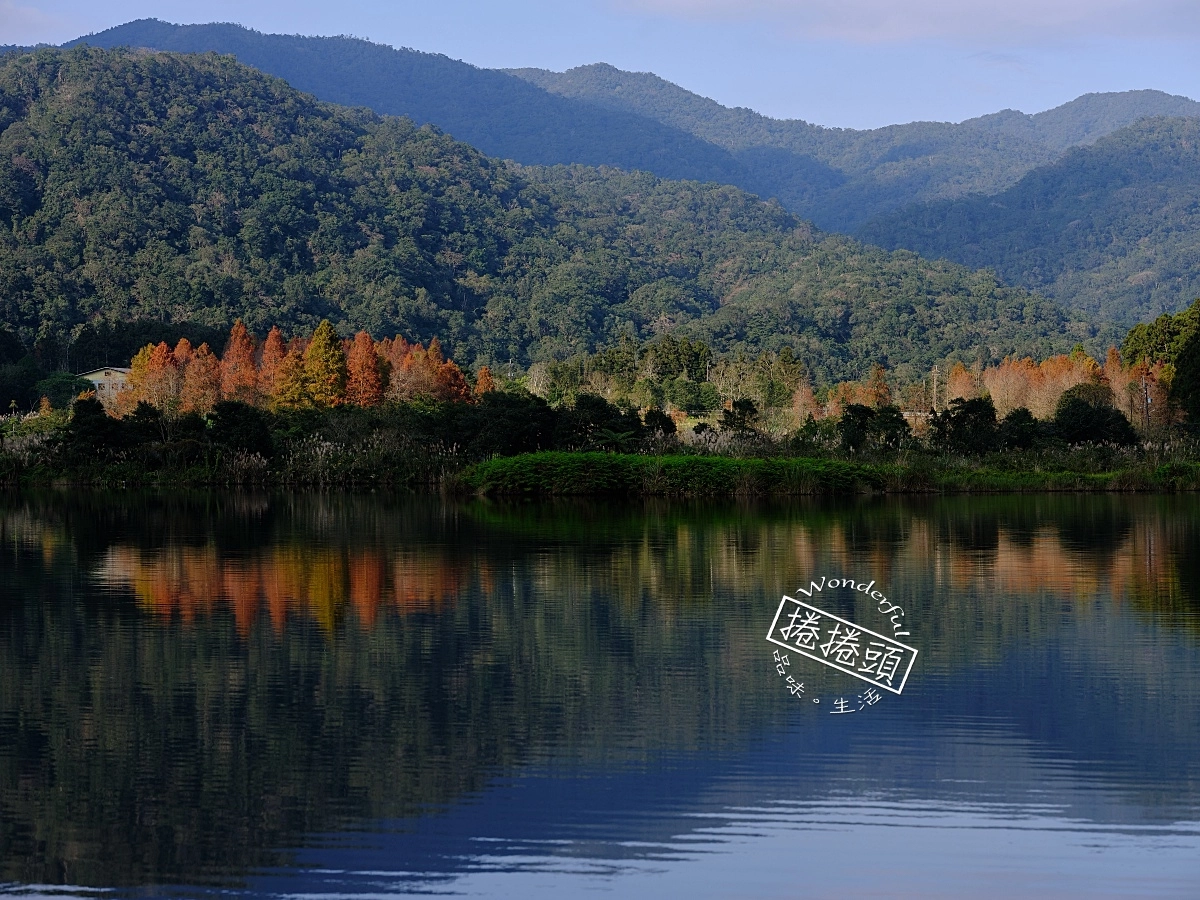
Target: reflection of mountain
(188, 682)
(794, 788)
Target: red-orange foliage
(420, 372)
(183, 352)
(155, 379)
(1037, 387)
(364, 384)
(877, 387)
(239, 376)
(960, 383)
(452, 384)
(1010, 383)
(484, 381)
(201, 382)
(193, 379)
(273, 351)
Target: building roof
(103, 370)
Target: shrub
(967, 426)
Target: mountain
(138, 186)
(1111, 230)
(880, 168)
(599, 115)
(495, 112)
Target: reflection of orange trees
(950, 563)
(320, 583)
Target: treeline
(322, 408)
(320, 370)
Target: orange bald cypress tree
(877, 388)
(274, 349)
(484, 381)
(239, 375)
(183, 352)
(155, 378)
(364, 384)
(201, 382)
(451, 383)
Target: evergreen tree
(1185, 386)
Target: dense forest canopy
(600, 115)
(1112, 230)
(141, 186)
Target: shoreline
(602, 474)
(557, 474)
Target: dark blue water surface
(369, 696)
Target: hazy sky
(857, 63)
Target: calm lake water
(334, 696)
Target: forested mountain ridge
(493, 111)
(599, 115)
(877, 168)
(153, 186)
(1112, 229)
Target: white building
(108, 382)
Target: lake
(338, 695)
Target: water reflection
(290, 693)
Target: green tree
(1019, 430)
(1185, 387)
(325, 367)
(1085, 415)
(854, 426)
(742, 415)
(966, 426)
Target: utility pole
(935, 381)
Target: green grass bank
(611, 474)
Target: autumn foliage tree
(202, 378)
(319, 370)
(364, 384)
(325, 367)
(183, 352)
(154, 378)
(274, 349)
(239, 374)
(417, 371)
(484, 381)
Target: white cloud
(978, 21)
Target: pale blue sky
(855, 63)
